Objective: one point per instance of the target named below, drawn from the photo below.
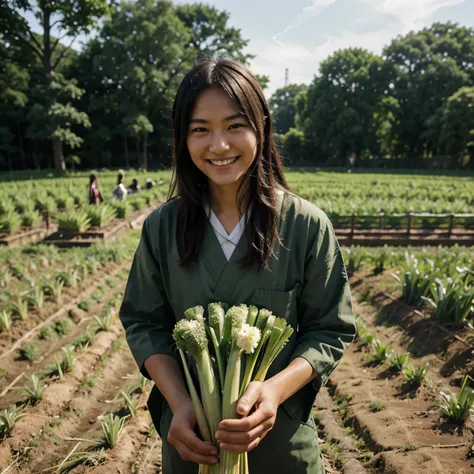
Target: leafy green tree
(70, 18)
(132, 69)
(263, 80)
(430, 66)
(341, 103)
(458, 125)
(14, 81)
(283, 107)
(210, 35)
(293, 146)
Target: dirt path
(402, 427)
(79, 417)
(14, 366)
(70, 296)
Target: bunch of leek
(231, 347)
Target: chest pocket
(281, 303)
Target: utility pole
(287, 79)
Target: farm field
(72, 399)
(25, 203)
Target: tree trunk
(138, 152)
(20, 142)
(145, 154)
(127, 157)
(59, 163)
(9, 161)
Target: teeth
(223, 163)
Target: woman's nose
(219, 144)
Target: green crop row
(441, 280)
(370, 194)
(34, 276)
(25, 203)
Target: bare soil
(401, 425)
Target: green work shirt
(306, 283)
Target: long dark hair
(189, 184)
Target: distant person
(95, 197)
(149, 183)
(134, 187)
(120, 192)
(352, 159)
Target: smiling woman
(233, 232)
(220, 141)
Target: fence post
(450, 228)
(352, 225)
(408, 224)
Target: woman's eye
(237, 125)
(199, 129)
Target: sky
(298, 34)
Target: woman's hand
(244, 434)
(182, 436)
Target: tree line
(109, 103)
(411, 106)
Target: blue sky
(299, 34)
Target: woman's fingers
(197, 445)
(260, 415)
(242, 448)
(244, 437)
(249, 398)
(187, 454)
(190, 447)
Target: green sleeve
(145, 312)
(326, 324)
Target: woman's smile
(224, 164)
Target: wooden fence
(405, 229)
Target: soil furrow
(58, 394)
(9, 339)
(392, 419)
(79, 418)
(447, 357)
(13, 365)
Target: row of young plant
(59, 193)
(112, 428)
(442, 281)
(456, 408)
(63, 362)
(68, 211)
(370, 194)
(25, 288)
(80, 220)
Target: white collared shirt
(229, 241)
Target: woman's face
(220, 140)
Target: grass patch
(30, 351)
(97, 295)
(376, 406)
(116, 345)
(341, 405)
(63, 327)
(47, 332)
(334, 452)
(86, 305)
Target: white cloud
(303, 62)
(317, 7)
(412, 14)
